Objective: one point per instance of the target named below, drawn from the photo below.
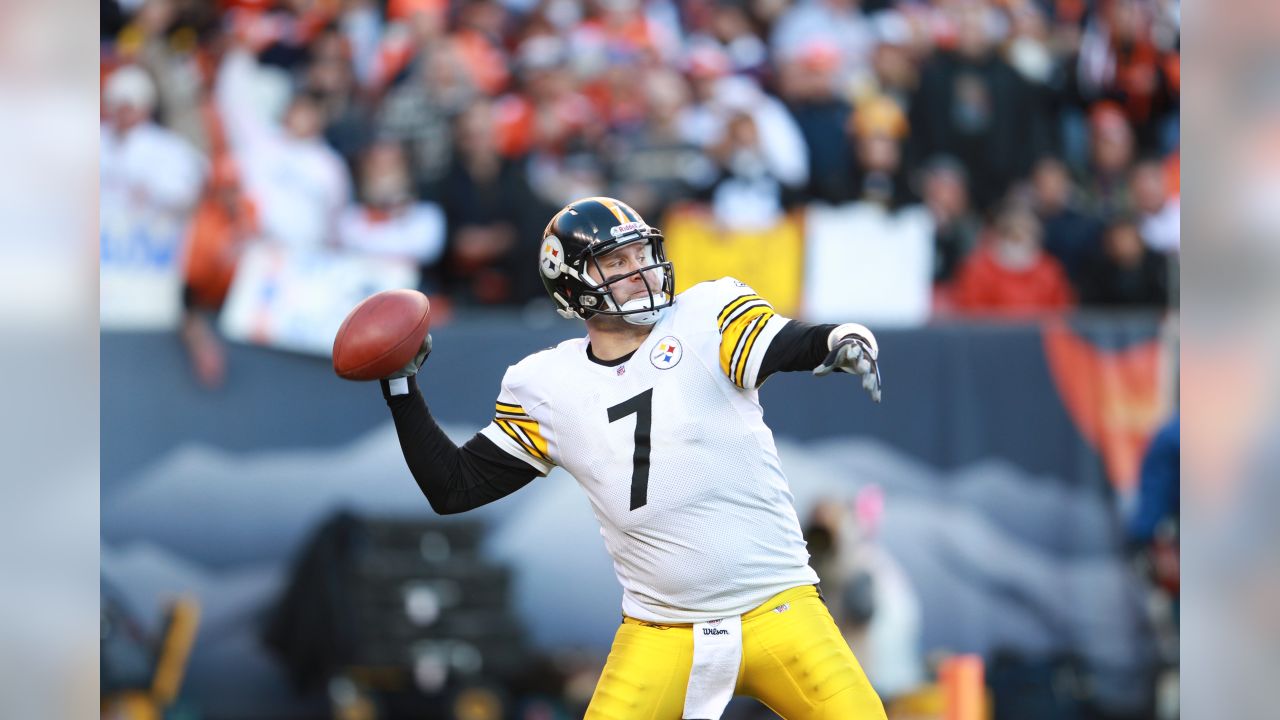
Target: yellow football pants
(794, 660)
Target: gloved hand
(412, 367)
(853, 350)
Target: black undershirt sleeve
(797, 346)
(454, 479)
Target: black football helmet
(583, 232)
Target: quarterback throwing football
(655, 413)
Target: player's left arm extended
(849, 348)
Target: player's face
(624, 260)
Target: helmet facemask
(644, 303)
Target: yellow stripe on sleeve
(505, 426)
(738, 338)
(529, 428)
(509, 409)
(516, 430)
(740, 377)
(733, 306)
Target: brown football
(381, 334)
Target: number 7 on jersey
(642, 406)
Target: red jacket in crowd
(983, 284)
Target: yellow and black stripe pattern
(516, 423)
(620, 210)
(741, 322)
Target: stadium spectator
(479, 41)
(623, 29)
(161, 39)
(896, 72)
(1111, 155)
(420, 113)
(150, 180)
(1159, 211)
(835, 24)
(330, 77)
(546, 110)
(747, 196)
(729, 28)
(150, 177)
(388, 221)
(361, 25)
(1027, 48)
(652, 163)
(412, 27)
(1070, 235)
(1119, 61)
(718, 99)
(616, 104)
(299, 183)
(807, 85)
(758, 146)
(878, 126)
(945, 187)
(972, 105)
(994, 85)
(224, 223)
(487, 202)
(1010, 273)
(1126, 273)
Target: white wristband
(854, 329)
(398, 386)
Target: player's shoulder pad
(529, 379)
(711, 300)
(715, 293)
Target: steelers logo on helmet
(552, 257)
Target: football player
(655, 413)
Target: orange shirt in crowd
(984, 285)
(214, 244)
(223, 221)
(519, 129)
(485, 63)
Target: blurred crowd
(1039, 136)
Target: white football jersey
(672, 450)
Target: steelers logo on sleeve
(666, 353)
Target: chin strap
(641, 318)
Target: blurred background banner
(297, 299)
(867, 263)
(143, 294)
(770, 260)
